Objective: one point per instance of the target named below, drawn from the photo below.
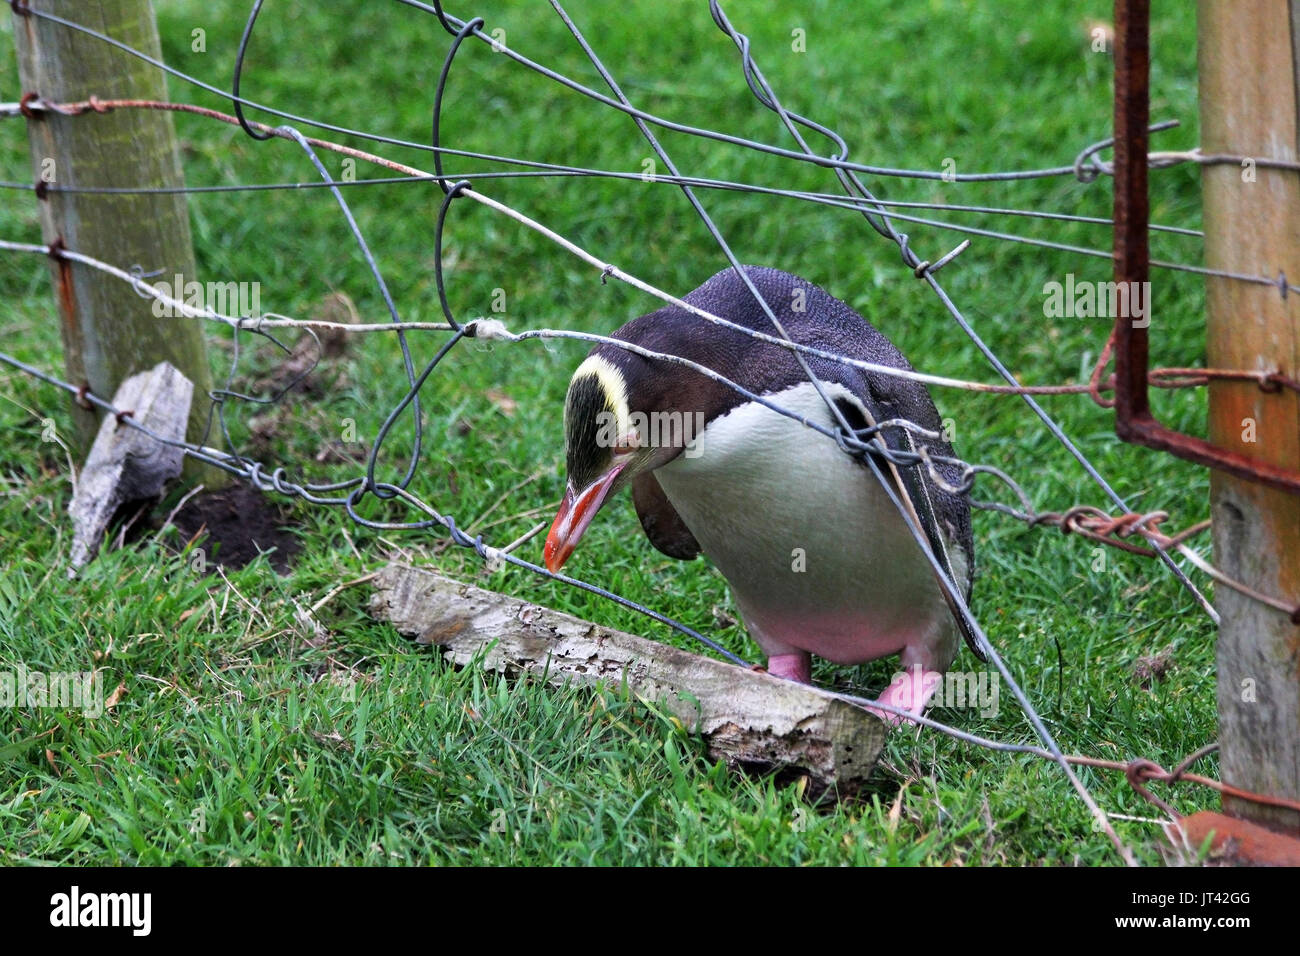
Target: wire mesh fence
(811, 142)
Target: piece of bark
(747, 718)
(125, 464)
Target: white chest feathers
(818, 557)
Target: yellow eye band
(611, 384)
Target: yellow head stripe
(611, 383)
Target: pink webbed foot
(796, 666)
(910, 690)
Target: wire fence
(1116, 525)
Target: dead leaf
(722, 617)
(113, 698)
(333, 737)
(896, 809)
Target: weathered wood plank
(124, 464)
(747, 718)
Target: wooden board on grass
(748, 718)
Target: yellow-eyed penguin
(817, 556)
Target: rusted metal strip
(1133, 419)
(1234, 841)
(1131, 253)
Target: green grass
(241, 736)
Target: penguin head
(604, 451)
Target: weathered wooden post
(1249, 70)
(109, 331)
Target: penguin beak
(576, 512)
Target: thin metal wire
(1168, 378)
(560, 171)
(872, 209)
(571, 84)
(239, 71)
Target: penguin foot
(796, 666)
(910, 690)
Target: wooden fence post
(109, 331)
(1248, 69)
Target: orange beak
(575, 514)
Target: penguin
(818, 558)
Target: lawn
(245, 731)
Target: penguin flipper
(663, 525)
